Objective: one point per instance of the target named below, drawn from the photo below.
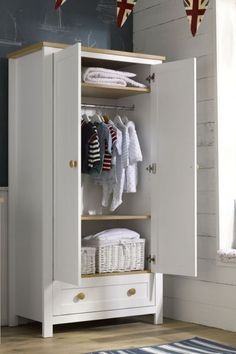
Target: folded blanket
(102, 243)
(102, 72)
(107, 81)
(227, 255)
(113, 235)
(109, 77)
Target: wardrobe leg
(158, 318)
(47, 330)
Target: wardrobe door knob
(131, 292)
(81, 296)
(73, 163)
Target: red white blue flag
(59, 3)
(124, 9)
(195, 10)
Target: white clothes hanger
(118, 121)
(96, 118)
(86, 118)
(101, 116)
(125, 119)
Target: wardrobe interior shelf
(114, 217)
(133, 272)
(105, 91)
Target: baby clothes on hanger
(135, 156)
(111, 151)
(105, 141)
(126, 165)
(96, 140)
(88, 145)
(107, 162)
(111, 178)
(122, 162)
(94, 153)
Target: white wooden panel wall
(4, 258)
(161, 27)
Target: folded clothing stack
(110, 236)
(104, 76)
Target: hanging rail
(107, 106)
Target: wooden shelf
(134, 272)
(114, 217)
(105, 91)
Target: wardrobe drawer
(97, 294)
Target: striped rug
(195, 345)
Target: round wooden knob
(81, 296)
(73, 163)
(131, 292)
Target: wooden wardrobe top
(38, 46)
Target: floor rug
(195, 345)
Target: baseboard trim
(204, 314)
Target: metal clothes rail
(105, 106)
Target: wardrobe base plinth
(103, 315)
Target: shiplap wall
(4, 256)
(161, 27)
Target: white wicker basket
(120, 256)
(88, 260)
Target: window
(226, 127)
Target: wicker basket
(88, 260)
(120, 256)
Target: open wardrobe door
(67, 102)
(174, 239)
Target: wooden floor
(110, 334)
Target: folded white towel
(113, 235)
(227, 255)
(94, 72)
(109, 77)
(101, 243)
(107, 81)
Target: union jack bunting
(195, 10)
(124, 9)
(59, 3)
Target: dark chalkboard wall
(24, 22)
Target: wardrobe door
(173, 102)
(67, 102)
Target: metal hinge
(151, 259)
(152, 168)
(151, 78)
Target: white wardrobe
(50, 201)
